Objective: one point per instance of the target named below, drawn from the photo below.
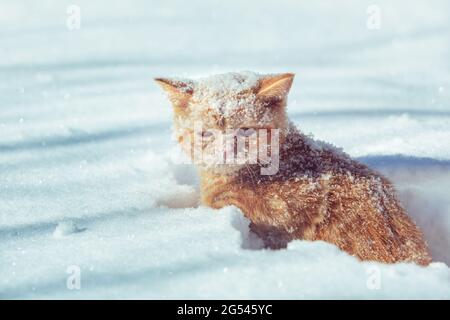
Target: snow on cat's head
(216, 110)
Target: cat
(317, 192)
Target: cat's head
(214, 111)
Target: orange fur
(319, 193)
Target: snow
(227, 83)
(87, 170)
(65, 228)
(221, 91)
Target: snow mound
(227, 83)
(183, 196)
(202, 253)
(66, 228)
(221, 91)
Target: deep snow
(87, 176)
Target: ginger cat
(311, 190)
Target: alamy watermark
(373, 21)
(374, 278)
(73, 281)
(244, 146)
(73, 21)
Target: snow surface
(86, 176)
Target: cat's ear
(179, 92)
(275, 87)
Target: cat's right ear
(178, 91)
(275, 87)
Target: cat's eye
(205, 134)
(246, 132)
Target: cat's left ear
(275, 87)
(179, 91)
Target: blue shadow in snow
(398, 161)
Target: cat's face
(220, 110)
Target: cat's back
(320, 193)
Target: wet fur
(319, 193)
